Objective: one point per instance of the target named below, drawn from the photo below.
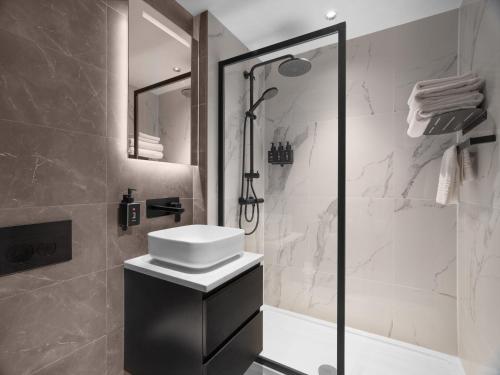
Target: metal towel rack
(476, 141)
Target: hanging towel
(146, 145)
(150, 137)
(448, 175)
(466, 169)
(147, 153)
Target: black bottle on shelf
(272, 154)
(281, 153)
(288, 153)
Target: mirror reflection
(159, 87)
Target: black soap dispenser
(129, 212)
(281, 153)
(288, 153)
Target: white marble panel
(479, 283)
(370, 156)
(369, 239)
(425, 246)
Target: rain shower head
(294, 67)
(268, 94)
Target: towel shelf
(450, 122)
(476, 141)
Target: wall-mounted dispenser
(129, 212)
(280, 155)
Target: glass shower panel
(285, 194)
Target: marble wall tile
(370, 74)
(89, 360)
(371, 163)
(369, 239)
(89, 245)
(44, 86)
(43, 166)
(479, 282)
(115, 353)
(114, 299)
(424, 49)
(425, 318)
(425, 246)
(364, 295)
(39, 327)
(61, 25)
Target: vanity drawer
(240, 352)
(229, 308)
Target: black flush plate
(26, 247)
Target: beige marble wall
(479, 210)
(401, 247)
(63, 128)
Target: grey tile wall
(63, 119)
(479, 209)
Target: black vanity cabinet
(176, 330)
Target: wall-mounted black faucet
(164, 207)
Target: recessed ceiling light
(176, 69)
(330, 15)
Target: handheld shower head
(294, 67)
(268, 94)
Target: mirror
(160, 120)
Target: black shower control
(129, 212)
(280, 155)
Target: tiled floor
(309, 345)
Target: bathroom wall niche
(161, 126)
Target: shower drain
(327, 370)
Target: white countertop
(203, 280)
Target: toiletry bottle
(281, 153)
(271, 154)
(289, 153)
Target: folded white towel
(433, 106)
(466, 169)
(448, 184)
(147, 153)
(146, 145)
(445, 86)
(150, 137)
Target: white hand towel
(466, 169)
(147, 153)
(150, 137)
(447, 188)
(147, 140)
(146, 145)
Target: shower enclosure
(282, 179)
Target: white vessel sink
(196, 246)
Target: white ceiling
(152, 52)
(258, 23)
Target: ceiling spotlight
(330, 15)
(176, 69)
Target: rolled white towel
(146, 145)
(147, 153)
(448, 178)
(147, 140)
(150, 137)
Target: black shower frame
(340, 30)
